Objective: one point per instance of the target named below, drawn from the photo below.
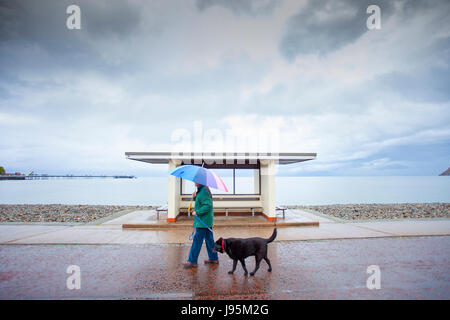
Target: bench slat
(228, 199)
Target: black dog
(239, 249)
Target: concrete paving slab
(328, 231)
(138, 216)
(79, 235)
(102, 235)
(11, 232)
(114, 234)
(408, 227)
(306, 215)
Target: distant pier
(65, 176)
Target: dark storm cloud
(44, 21)
(111, 18)
(43, 64)
(249, 7)
(36, 46)
(40, 22)
(41, 26)
(326, 25)
(412, 7)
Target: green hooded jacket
(203, 207)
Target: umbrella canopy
(199, 175)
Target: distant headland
(446, 172)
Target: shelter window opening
(238, 181)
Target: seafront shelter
(236, 169)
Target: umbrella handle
(190, 204)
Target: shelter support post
(268, 189)
(173, 201)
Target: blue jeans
(200, 234)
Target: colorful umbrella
(200, 175)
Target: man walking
(203, 210)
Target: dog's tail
(273, 236)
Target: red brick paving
(411, 268)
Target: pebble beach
(60, 212)
(383, 211)
(26, 213)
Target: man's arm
(205, 205)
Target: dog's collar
(223, 245)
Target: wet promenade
(411, 268)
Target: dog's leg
(234, 266)
(268, 262)
(258, 260)
(243, 266)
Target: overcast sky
(298, 76)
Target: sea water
(289, 190)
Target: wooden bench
(228, 209)
(161, 209)
(281, 209)
(218, 198)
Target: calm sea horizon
(289, 190)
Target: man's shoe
(189, 265)
(211, 261)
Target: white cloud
(80, 107)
